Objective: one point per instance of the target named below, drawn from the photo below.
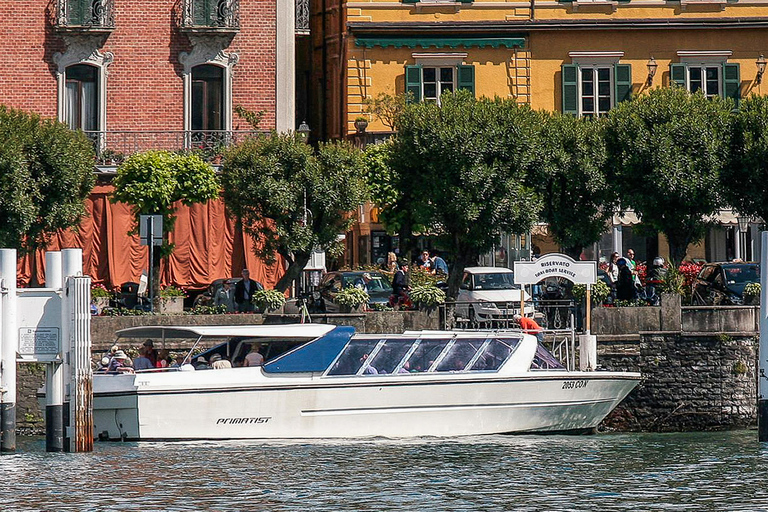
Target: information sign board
(36, 341)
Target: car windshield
(378, 282)
(742, 274)
(495, 281)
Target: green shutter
(413, 82)
(77, 12)
(622, 75)
(466, 1)
(677, 74)
(732, 82)
(466, 78)
(410, 1)
(570, 75)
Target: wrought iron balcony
(302, 17)
(85, 15)
(211, 15)
(113, 147)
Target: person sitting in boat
(218, 363)
(370, 370)
(120, 363)
(201, 363)
(178, 361)
(149, 352)
(142, 362)
(103, 365)
(529, 326)
(254, 357)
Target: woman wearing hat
(120, 363)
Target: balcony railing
(95, 15)
(113, 147)
(302, 17)
(214, 15)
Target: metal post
(151, 284)
(588, 314)
(54, 371)
(762, 391)
(9, 342)
(71, 266)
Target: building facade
(577, 57)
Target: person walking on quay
(400, 286)
(244, 291)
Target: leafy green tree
(463, 170)
(152, 181)
(570, 175)
(291, 200)
(46, 174)
(745, 181)
(666, 150)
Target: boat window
(425, 355)
(390, 355)
(544, 360)
(495, 354)
(460, 354)
(353, 356)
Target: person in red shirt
(529, 326)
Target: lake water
(634, 472)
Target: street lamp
(303, 131)
(760, 63)
(652, 67)
(743, 227)
(743, 223)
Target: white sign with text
(555, 265)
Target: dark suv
(722, 284)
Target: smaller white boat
(323, 381)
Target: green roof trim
(440, 42)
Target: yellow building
(578, 57)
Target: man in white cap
(119, 362)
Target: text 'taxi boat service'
(323, 381)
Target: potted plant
(170, 300)
(361, 123)
(267, 301)
(100, 297)
(427, 296)
(599, 293)
(351, 299)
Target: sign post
(578, 272)
(151, 234)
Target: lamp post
(760, 63)
(652, 67)
(743, 228)
(303, 131)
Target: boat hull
(246, 403)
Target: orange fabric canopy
(209, 246)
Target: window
(593, 89)
(427, 83)
(711, 78)
(207, 98)
(81, 97)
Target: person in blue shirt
(439, 266)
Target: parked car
(722, 284)
(378, 287)
(489, 294)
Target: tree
(464, 167)
(46, 174)
(745, 181)
(152, 181)
(570, 175)
(291, 200)
(665, 154)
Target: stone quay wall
(699, 365)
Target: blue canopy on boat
(314, 356)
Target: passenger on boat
(254, 358)
(370, 370)
(150, 352)
(120, 363)
(217, 363)
(201, 363)
(178, 361)
(103, 365)
(406, 368)
(163, 359)
(142, 362)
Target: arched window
(81, 97)
(208, 98)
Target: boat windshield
(377, 356)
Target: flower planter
(351, 309)
(169, 305)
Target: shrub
(427, 295)
(171, 291)
(600, 292)
(752, 294)
(99, 290)
(208, 310)
(268, 300)
(417, 276)
(674, 282)
(352, 297)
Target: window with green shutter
(570, 89)
(732, 82)
(427, 83)
(593, 89)
(677, 75)
(622, 75)
(466, 78)
(712, 80)
(413, 82)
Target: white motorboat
(324, 381)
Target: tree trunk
(300, 260)
(677, 250)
